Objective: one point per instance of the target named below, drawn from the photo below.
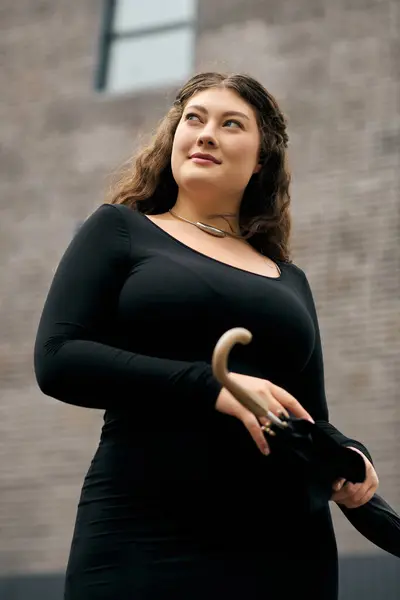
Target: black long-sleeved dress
(178, 501)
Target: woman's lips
(202, 161)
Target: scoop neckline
(215, 260)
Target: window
(146, 44)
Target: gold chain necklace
(210, 229)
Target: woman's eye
(231, 123)
(236, 123)
(192, 117)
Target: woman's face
(216, 122)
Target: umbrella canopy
(378, 522)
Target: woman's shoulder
(118, 213)
(292, 270)
(110, 223)
(123, 209)
(299, 281)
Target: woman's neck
(224, 215)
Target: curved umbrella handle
(238, 335)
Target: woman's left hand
(353, 495)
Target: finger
(356, 502)
(364, 494)
(340, 497)
(290, 403)
(354, 495)
(360, 494)
(276, 408)
(253, 427)
(345, 494)
(367, 496)
(339, 483)
(352, 499)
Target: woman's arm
(72, 359)
(310, 388)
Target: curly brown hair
(146, 183)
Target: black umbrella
(378, 522)
(313, 459)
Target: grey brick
(334, 67)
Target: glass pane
(131, 15)
(153, 60)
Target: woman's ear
(257, 168)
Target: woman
(179, 502)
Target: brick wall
(333, 66)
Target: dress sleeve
(73, 361)
(310, 388)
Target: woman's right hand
(273, 397)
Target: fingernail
(266, 451)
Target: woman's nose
(207, 139)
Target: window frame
(108, 37)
